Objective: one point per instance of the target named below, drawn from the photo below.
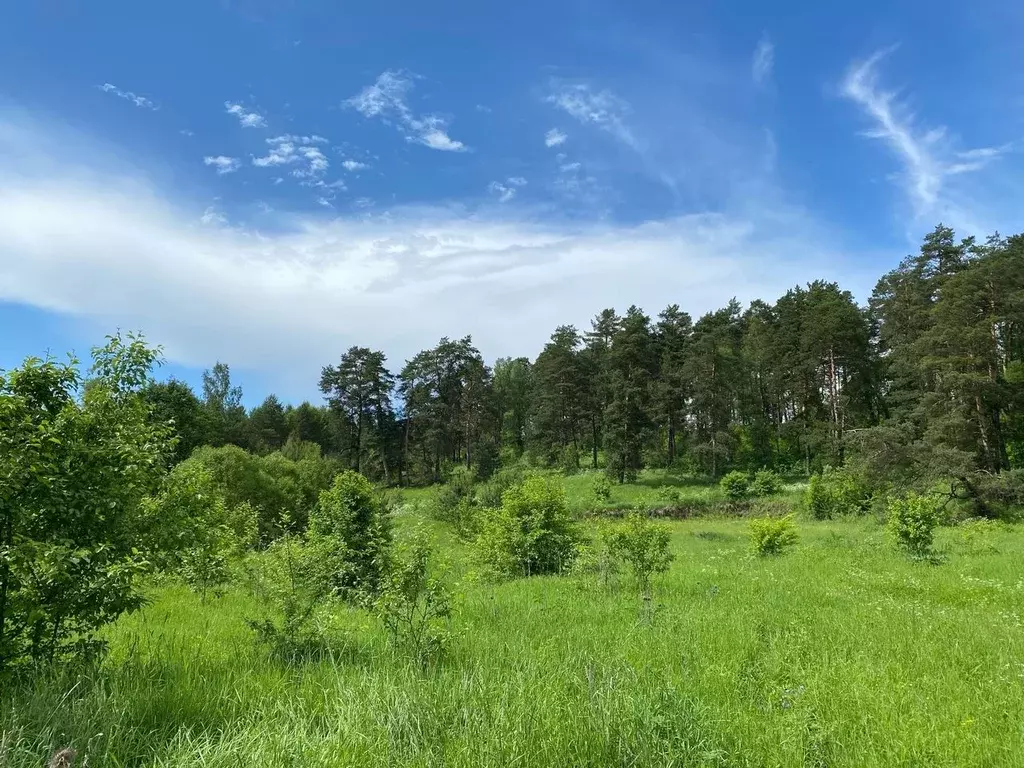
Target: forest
(780, 534)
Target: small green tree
(912, 519)
(73, 474)
(415, 604)
(643, 545)
(835, 493)
(602, 489)
(291, 584)
(736, 485)
(351, 529)
(766, 483)
(772, 535)
(531, 533)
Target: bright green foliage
(531, 533)
(274, 485)
(351, 529)
(73, 474)
(642, 544)
(912, 519)
(198, 536)
(736, 485)
(766, 483)
(291, 585)
(835, 493)
(602, 488)
(489, 494)
(772, 535)
(415, 604)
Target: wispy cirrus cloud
(387, 99)
(928, 156)
(246, 118)
(554, 138)
(222, 163)
(764, 60)
(134, 98)
(353, 165)
(506, 190)
(599, 108)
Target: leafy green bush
(766, 483)
(835, 493)
(670, 495)
(350, 528)
(736, 485)
(274, 485)
(74, 470)
(642, 545)
(772, 535)
(197, 535)
(291, 586)
(912, 519)
(531, 532)
(415, 605)
(489, 494)
(594, 557)
(602, 489)
(569, 460)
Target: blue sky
(267, 182)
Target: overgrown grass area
(840, 652)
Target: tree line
(927, 378)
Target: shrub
(602, 489)
(670, 495)
(290, 584)
(414, 605)
(454, 502)
(489, 494)
(835, 493)
(531, 532)
(912, 519)
(643, 545)
(197, 536)
(595, 557)
(772, 535)
(75, 467)
(766, 483)
(569, 460)
(736, 485)
(350, 528)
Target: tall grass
(841, 653)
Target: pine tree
(632, 367)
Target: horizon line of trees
(927, 378)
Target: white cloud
(485, 109)
(223, 164)
(108, 248)
(245, 118)
(506, 190)
(353, 165)
(138, 101)
(289, 149)
(212, 216)
(764, 60)
(927, 156)
(601, 108)
(554, 138)
(387, 99)
(186, 132)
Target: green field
(841, 652)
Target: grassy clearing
(840, 653)
(653, 489)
